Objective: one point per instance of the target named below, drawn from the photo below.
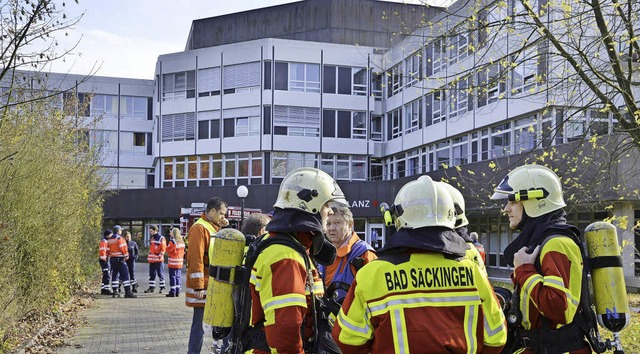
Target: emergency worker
(284, 283)
(157, 248)
(547, 261)
(352, 252)
(118, 255)
(104, 263)
(461, 226)
(175, 251)
(200, 233)
(134, 251)
(421, 295)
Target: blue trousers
(119, 270)
(106, 275)
(174, 280)
(197, 333)
(156, 268)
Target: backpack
(245, 337)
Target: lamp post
(242, 193)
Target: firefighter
(104, 263)
(118, 255)
(421, 295)
(200, 233)
(547, 263)
(157, 248)
(175, 251)
(283, 279)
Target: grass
(630, 336)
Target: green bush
(50, 208)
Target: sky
(123, 38)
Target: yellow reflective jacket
(420, 302)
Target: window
(376, 85)
(296, 121)
(209, 82)
(436, 56)
(413, 163)
(209, 124)
(436, 107)
(344, 124)
(525, 134)
(344, 80)
(441, 156)
(491, 85)
(413, 116)
(395, 80)
(599, 122)
(523, 76)
(134, 108)
(459, 45)
(500, 140)
(180, 85)
(376, 128)
(241, 121)
(395, 119)
(106, 140)
(104, 106)
(359, 81)
(413, 68)
(178, 127)
(359, 125)
(304, 77)
(283, 163)
(241, 78)
(460, 151)
(459, 98)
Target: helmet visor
(503, 190)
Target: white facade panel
(241, 144)
(345, 146)
(241, 99)
(208, 146)
(435, 132)
(179, 106)
(178, 148)
(296, 143)
(411, 140)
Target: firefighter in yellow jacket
(421, 295)
(198, 265)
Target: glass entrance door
(376, 235)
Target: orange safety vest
(104, 249)
(156, 249)
(175, 250)
(117, 247)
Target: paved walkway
(152, 323)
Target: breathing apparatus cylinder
(607, 277)
(226, 251)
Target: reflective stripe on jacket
(198, 260)
(424, 303)
(157, 248)
(104, 249)
(555, 292)
(175, 250)
(281, 296)
(117, 246)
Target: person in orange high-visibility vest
(104, 264)
(157, 248)
(175, 250)
(119, 253)
(211, 221)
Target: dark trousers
(174, 280)
(119, 270)
(131, 265)
(156, 268)
(106, 275)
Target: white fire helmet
(537, 187)
(423, 203)
(458, 202)
(308, 189)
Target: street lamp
(242, 193)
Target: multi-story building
(373, 103)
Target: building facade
(246, 104)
